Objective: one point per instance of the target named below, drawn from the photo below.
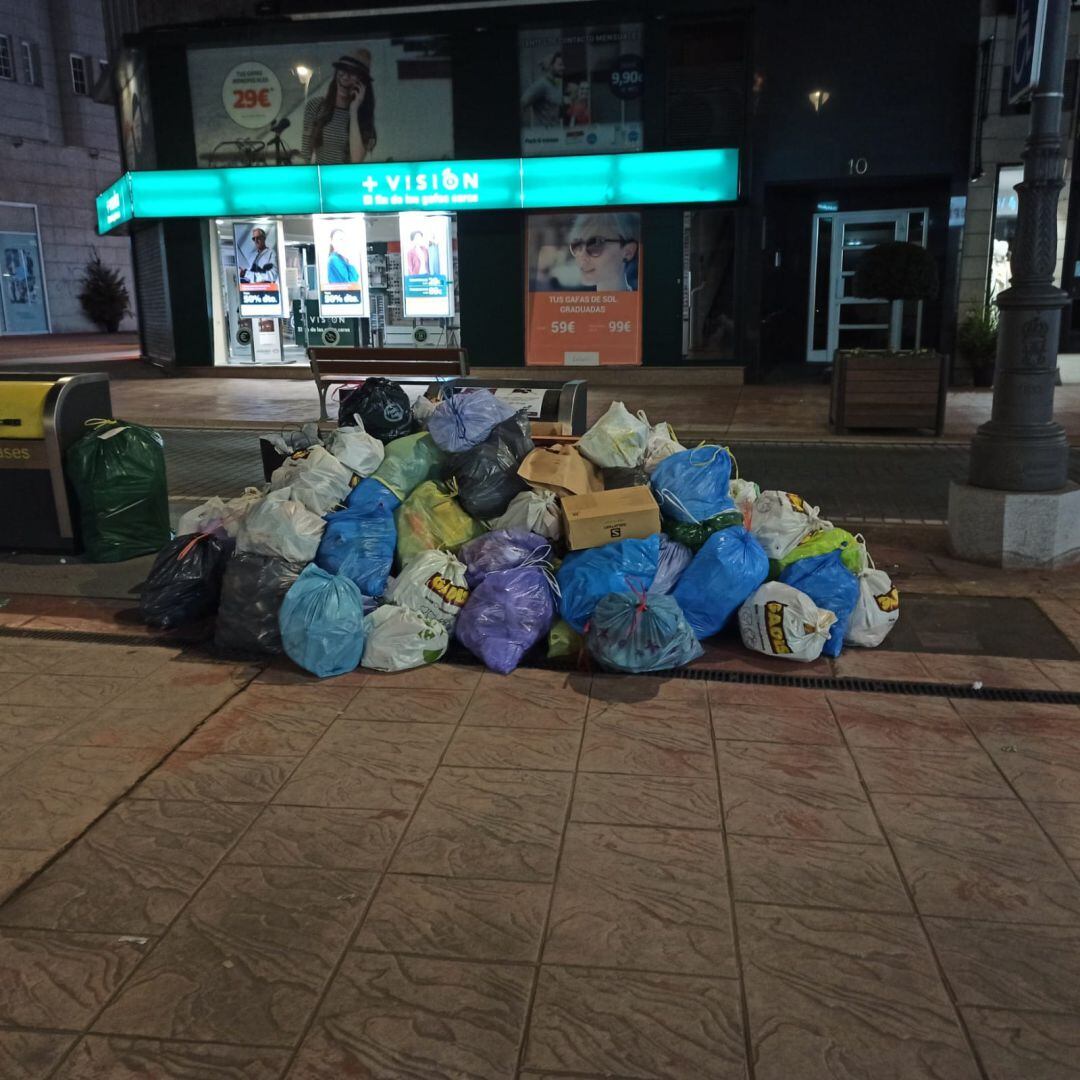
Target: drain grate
(460, 657)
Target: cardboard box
(560, 469)
(546, 433)
(603, 516)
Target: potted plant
(104, 296)
(887, 388)
(976, 342)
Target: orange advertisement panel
(583, 299)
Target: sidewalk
(722, 412)
(234, 870)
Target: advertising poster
(22, 292)
(581, 89)
(259, 247)
(341, 257)
(136, 127)
(323, 103)
(426, 265)
(584, 289)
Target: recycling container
(41, 415)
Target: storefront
(555, 105)
(376, 260)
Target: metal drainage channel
(744, 678)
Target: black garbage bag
(621, 476)
(381, 406)
(184, 584)
(251, 595)
(487, 475)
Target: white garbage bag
(356, 449)
(778, 620)
(659, 444)
(744, 494)
(281, 527)
(397, 639)
(617, 440)
(422, 408)
(877, 610)
(219, 515)
(317, 479)
(781, 519)
(533, 511)
(432, 583)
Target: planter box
(888, 390)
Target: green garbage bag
(117, 470)
(563, 640)
(852, 550)
(432, 518)
(694, 533)
(408, 462)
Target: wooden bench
(345, 364)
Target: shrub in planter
(897, 270)
(104, 296)
(976, 341)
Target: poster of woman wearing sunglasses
(584, 299)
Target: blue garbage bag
(729, 567)
(674, 559)
(627, 566)
(831, 585)
(692, 485)
(633, 634)
(322, 623)
(360, 543)
(370, 491)
(466, 418)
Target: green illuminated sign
(677, 176)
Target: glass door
(837, 318)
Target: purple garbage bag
(506, 615)
(466, 418)
(499, 550)
(674, 559)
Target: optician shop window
(284, 284)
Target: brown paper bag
(560, 469)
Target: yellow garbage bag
(432, 518)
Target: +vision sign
(672, 177)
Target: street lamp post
(1021, 448)
(1018, 508)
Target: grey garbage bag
(251, 594)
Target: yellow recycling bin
(41, 415)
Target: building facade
(58, 148)
(849, 123)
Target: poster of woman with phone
(339, 128)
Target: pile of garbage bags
(405, 528)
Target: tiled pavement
(451, 874)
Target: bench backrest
(336, 362)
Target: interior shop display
(386, 552)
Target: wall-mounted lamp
(818, 98)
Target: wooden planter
(888, 390)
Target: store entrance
(840, 320)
